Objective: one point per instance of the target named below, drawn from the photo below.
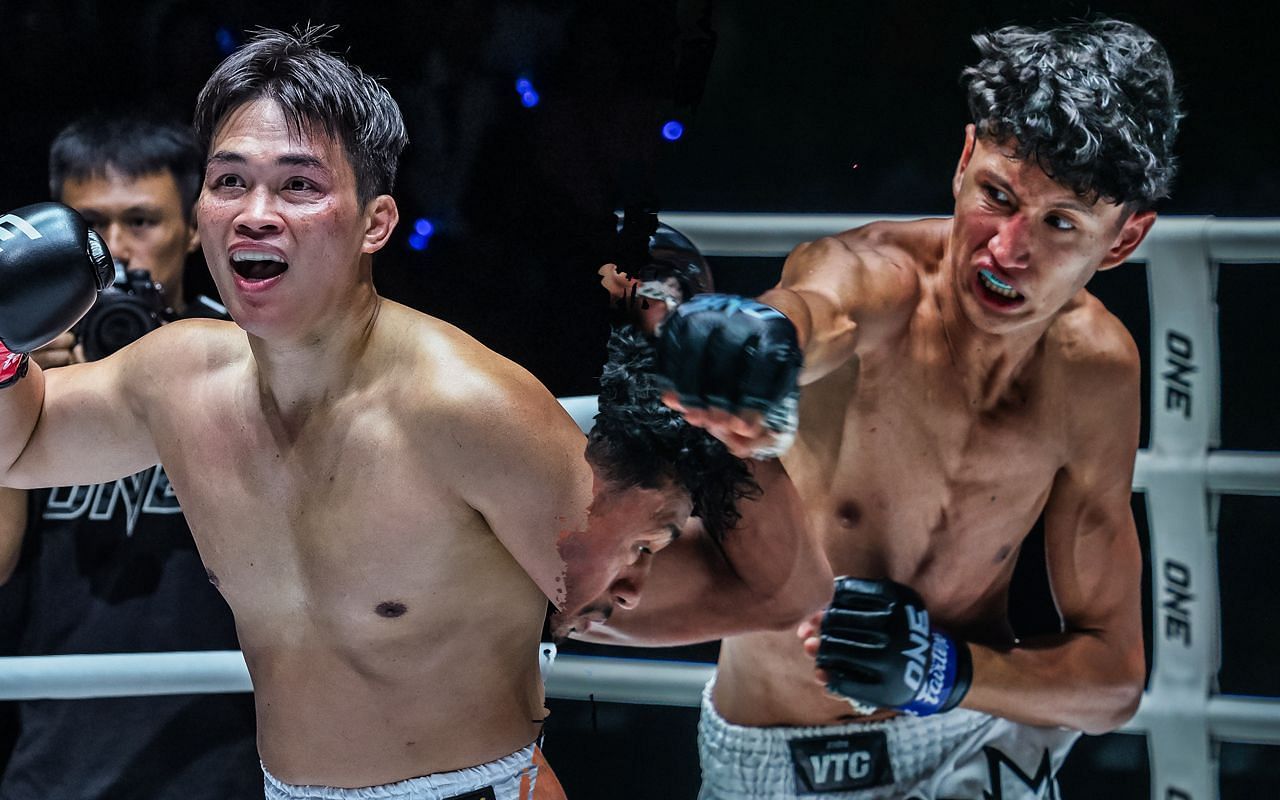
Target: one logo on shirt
(146, 492)
(841, 763)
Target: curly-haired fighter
(957, 382)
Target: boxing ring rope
(1181, 472)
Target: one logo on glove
(23, 227)
(841, 763)
(917, 654)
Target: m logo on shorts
(841, 763)
(1040, 785)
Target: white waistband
(503, 775)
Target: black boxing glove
(879, 648)
(52, 266)
(729, 352)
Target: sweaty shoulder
(873, 273)
(1096, 363)
(1087, 340)
(453, 377)
(178, 353)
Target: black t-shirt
(113, 569)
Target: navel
(213, 578)
(390, 609)
(1003, 553)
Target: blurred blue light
(226, 40)
(672, 130)
(417, 241)
(423, 227)
(530, 99)
(523, 85)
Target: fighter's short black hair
(1093, 103)
(313, 88)
(131, 145)
(638, 441)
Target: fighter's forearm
(13, 524)
(1083, 681)
(796, 309)
(695, 595)
(825, 334)
(20, 407)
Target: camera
(130, 307)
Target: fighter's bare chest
(910, 481)
(327, 506)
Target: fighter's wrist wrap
(784, 420)
(947, 680)
(12, 366)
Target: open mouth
(254, 266)
(997, 291)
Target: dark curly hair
(1093, 103)
(637, 441)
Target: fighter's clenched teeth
(254, 265)
(997, 291)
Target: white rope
(1222, 239)
(77, 677)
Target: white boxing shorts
(960, 754)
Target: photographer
(113, 568)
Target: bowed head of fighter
(652, 472)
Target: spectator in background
(112, 567)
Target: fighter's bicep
(91, 427)
(531, 483)
(1093, 555)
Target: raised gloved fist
(731, 353)
(52, 267)
(878, 647)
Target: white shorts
(959, 754)
(497, 780)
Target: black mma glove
(732, 353)
(52, 267)
(878, 648)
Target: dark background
(780, 102)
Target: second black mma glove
(732, 353)
(879, 648)
(52, 266)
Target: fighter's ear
(1131, 234)
(970, 140)
(381, 216)
(193, 236)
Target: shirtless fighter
(957, 382)
(377, 496)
